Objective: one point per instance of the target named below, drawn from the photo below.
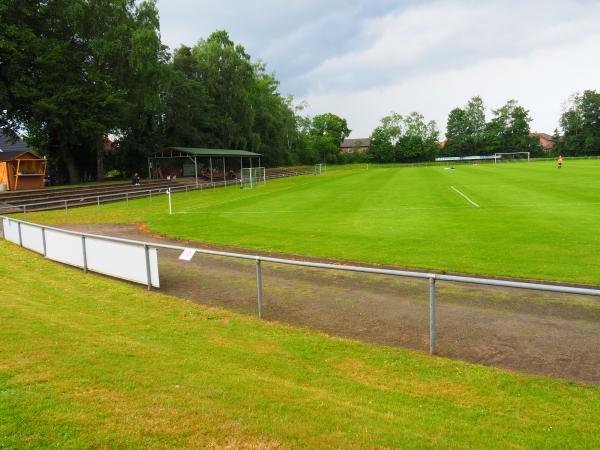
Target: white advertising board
(11, 230)
(121, 260)
(116, 259)
(64, 247)
(32, 238)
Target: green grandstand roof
(209, 151)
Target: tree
(580, 124)
(327, 132)
(218, 97)
(190, 118)
(466, 129)
(404, 139)
(75, 70)
(508, 131)
(228, 75)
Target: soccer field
(527, 220)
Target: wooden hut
(20, 168)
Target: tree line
(75, 71)
(412, 139)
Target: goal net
(320, 168)
(252, 177)
(511, 157)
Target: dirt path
(542, 333)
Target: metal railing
(98, 199)
(431, 276)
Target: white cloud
(496, 51)
(363, 58)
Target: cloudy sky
(362, 59)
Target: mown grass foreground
(86, 361)
(527, 220)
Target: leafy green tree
(190, 118)
(580, 124)
(404, 139)
(466, 129)
(218, 97)
(228, 75)
(508, 131)
(75, 71)
(327, 132)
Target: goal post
(320, 168)
(512, 157)
(252, 177)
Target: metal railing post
(44, 240)
(25, 212)
(432, 315)
(148, 273)
(20, 237)
(85, 267)
(259, 287)
(98, 201)
(169, 194)
(66, 207)
(126, 198)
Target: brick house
(545, 139)
(359, 145)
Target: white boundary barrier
(138, 261)
(131, 261)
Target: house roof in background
(8, 144)
(358, 142)
(543, 135)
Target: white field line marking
(465, 197)
(218, 213)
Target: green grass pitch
(527, 220)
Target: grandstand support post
(66, 207)
(85, 267)
(211, 171)
(196, 169)
(24, 212)
(148, 273)
(432, 315)
(259, 287)
(127, 198)
(98, 201)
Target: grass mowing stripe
(465, 197)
